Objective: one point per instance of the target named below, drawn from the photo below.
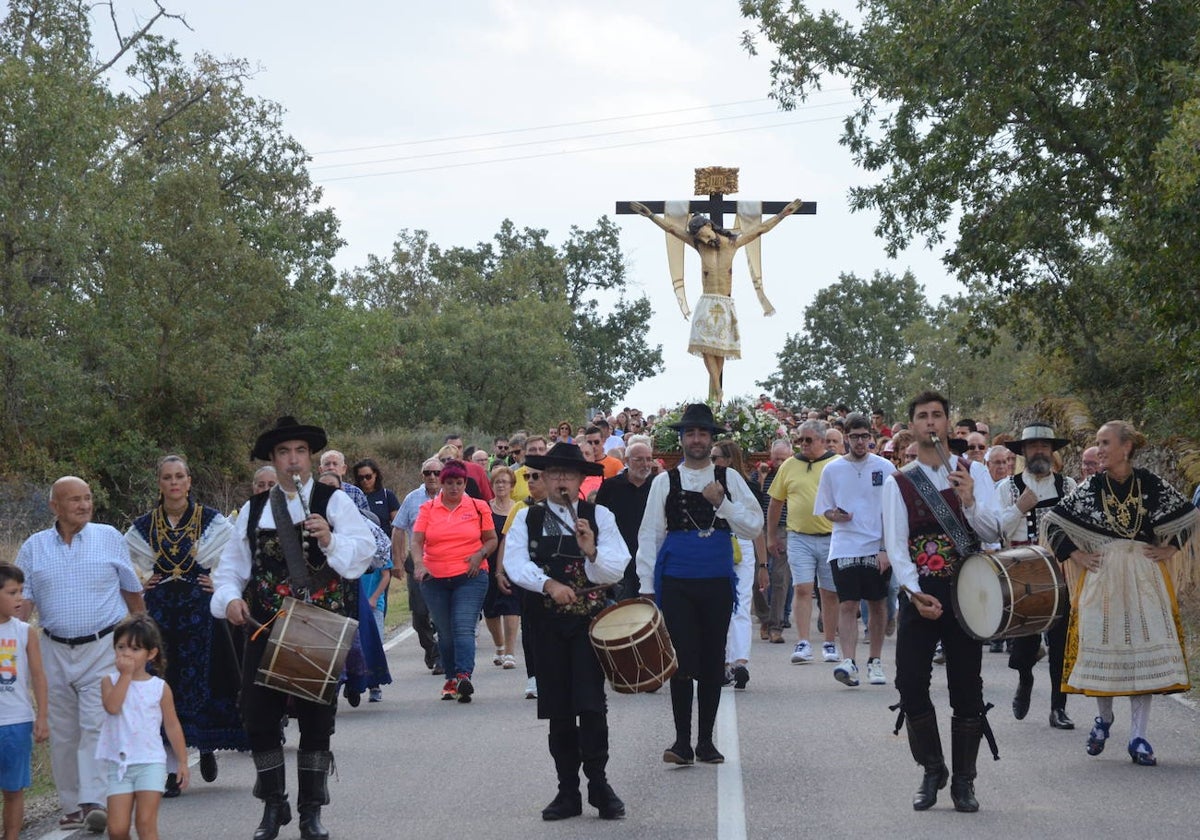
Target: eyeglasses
(428, 473)
(532, 476)
(859, 436)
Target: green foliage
(852, 348)
(1059, 138)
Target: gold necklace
(168, 541)
(1124, 516)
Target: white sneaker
(531, 688)
(802, 653)
(875, 672)
(498, 659)
(829, 652)
(846, 673)
(510, 662)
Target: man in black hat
(685, 559)
(566, 549)
(1020, 501)
(318, 559)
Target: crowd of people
(168, 625)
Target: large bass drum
(1016, 592)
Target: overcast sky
(453, 116)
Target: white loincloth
(714, 328)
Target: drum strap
(289, 543)
(966, 542)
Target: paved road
(806, 754)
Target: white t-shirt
(15, 702)
(857, 488)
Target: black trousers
(916, 639)
(263, 708)
(421, 622)
(1023, 657)
(697, 613)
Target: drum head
(979, 597)
(623, 621)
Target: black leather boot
(926, 745)
(593, 751)
(965, 734)
(270, 786)
(1020, 703)
(313, 770)
(563, 741)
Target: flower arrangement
(749, 427)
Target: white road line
(406, 633)
(731, 800)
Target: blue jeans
(454, 604)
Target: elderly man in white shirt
(685, 558)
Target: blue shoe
(1097, 737)
(1142, 753)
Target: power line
(592, 136)
(574, 151)
(546, 127)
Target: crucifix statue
(714, 335)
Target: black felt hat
(287, 428)
(697, 416)
(566, 456)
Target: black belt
(80, 640)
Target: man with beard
(1020, 500)
(685, 558)
(625, 495)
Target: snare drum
(1006, 594)
(306, 652)
(630, 639)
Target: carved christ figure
(714, 334)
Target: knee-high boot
(313, 792)
(563, 741)
(593, 750)
(965, 734)
(270, 786)
(926, 744)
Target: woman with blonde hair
(501, 611)
(1122, 530)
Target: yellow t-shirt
(796, 483)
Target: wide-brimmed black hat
(287, 428)
(1037, 431)
(566, 456)
(697, 416)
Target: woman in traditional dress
(1122, 531)
(178, 543)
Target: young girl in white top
(138, 704)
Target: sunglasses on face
(365, 476)
(428, 473)
(808, 440)
(976, 448)
(532, 476)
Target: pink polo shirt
(452, 536)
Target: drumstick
(919, 597)
(587, 590)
